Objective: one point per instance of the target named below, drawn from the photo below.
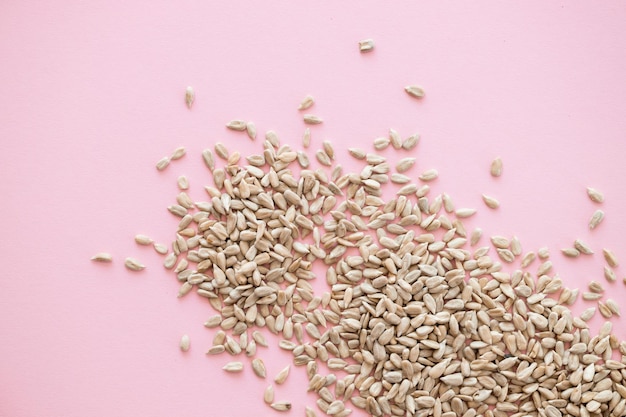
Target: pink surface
(91, 96)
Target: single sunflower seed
(251, 130)
(233, 367)
(184, 343)
(281, 406)
(404, 164)
(259, 367)
(282, 375)
(133, 264)
(307, 102)
(596, 219)
(163, 163)
(414, 91)
(143, 240)
(190, 96)
(496, 167)
(239, 125)
(102, 257)
(582, 247)
(610, 257)
(366, 45)
(491, 202)
(595, 195)
(312, 119)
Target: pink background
(91, 96)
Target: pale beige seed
(399, 179)
(190, 96)
(528, 258)
(414, 91)
(491, 202)
(233, 367)
(259, 338)
(143, 240)
(221, 151)
(613, 306)
(591, 296)
(306, 102)
(595, 286)
(133, 264)
(465, 212)
(596, 218)
(328, 149)
(570, 252)
(282, 375)
(582, 247)
(357, 153)
(595, 195)
(323, 158)
(251, 130)
(366, 45)
(209, 161)
(259, 367)
(496, 167)
(163, 163)
(178, 153)
(411, 142)
(588, 313)
(604, 310)
(381, 143)
(182, 182)
(309, 412)
(268, 395)
(543, 253)
(170, 261)
(303, 159)
(609, 274)
(405, 164)
(312, 119)
(184, 343)
(429, 175)
(506, 255)
(281, 406)
(395, 139)
(516, 246)
(102, 257)
(475, 236)
(238, 125)
(306, 138)
(610, 257)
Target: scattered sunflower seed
(233, 367)
(366, 45)
(239, 125)
(102, 257)
(190, 96)
(610, 258)
(163, 163)
(582, 247)
(570, 252)
(596, 218)
(143, 240)
(133, 264)
(496, 167)
(251, 130)
(414, 90)
(491, 202)
(259, 368)
(184, 343)
(281, 406)
(595, 195)
(307, 102)
(282, 375)
(405, 164)
(312, 119)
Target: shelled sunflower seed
(190, 96)
(366, 45)
(102, 257)
(418, 321)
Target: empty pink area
(92, 96)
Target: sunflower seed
(312, 119)
(596, 287)
(491, 202)
(595, 195)
(163, 163)
(381, 143)
(182, 182)
(414, 90)
(307, 102)
(570, 252)
(190, 96)
(604, 310)
(591, 296)
(184, 343)
(133, 264)
(595, 220)
(404, 164)
(328, 149)
(609, 275)
(613, 306)
(259, 368)
(582, 247)
(366, 45)
(282, 375)
(496, 167)
(357, 153)
(587, 314)
(239, 125)
(475, 236)
(528, 259)
(233, 367)
(221, 151)
(429, 175)
(102, 257)
(410, 142)
(143, 240)
(323, 158)
(251, 130)
(268, 395)
(207, 155)
(281, 406)
(306, 138)
(399, 179)
(610, 258)
(465, 212)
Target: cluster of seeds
(416, 321)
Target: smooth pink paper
(92, 95)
